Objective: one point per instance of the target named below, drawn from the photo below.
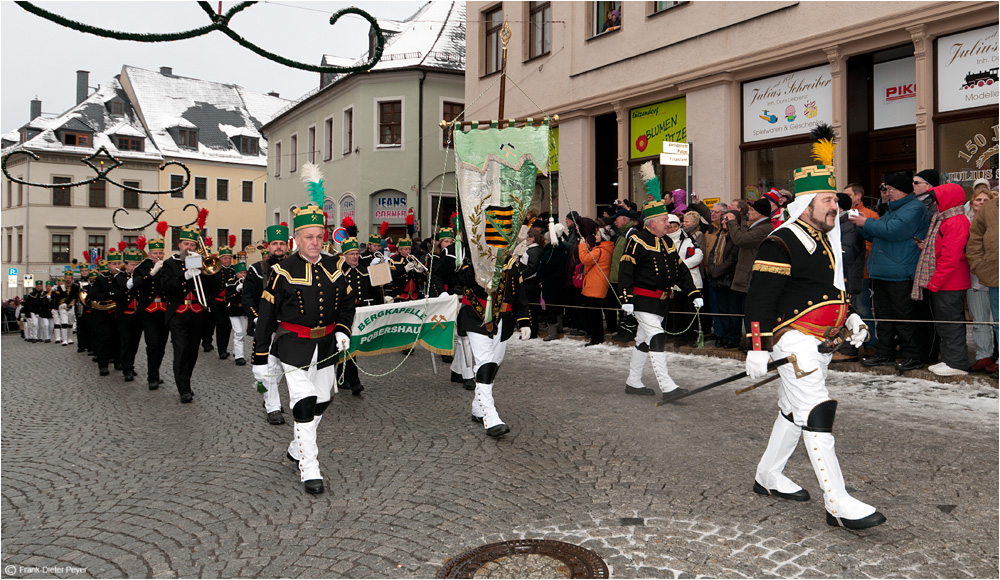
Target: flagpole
(504, 38)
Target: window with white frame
(539, 28)
(277, 159)
(348, 131)
(248, 191)
(221, 189)
(293, 152)
(311, 144)
(607, 17)
(390, 123)
(493, 46)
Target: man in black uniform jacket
(488, 340)
(127, 316)
(276, 238)
(219, 306)
(102, 301)
(444, 279)
(308, 305)
(185, 314)
(153, 307)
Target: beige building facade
(906, 86)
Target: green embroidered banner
(393, 327)
(496, 171)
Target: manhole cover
(526, 559)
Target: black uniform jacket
(649, 268)
(444, 277)
(509, 302)
(234, 297)
(178, 291)
(406, 285)
(316, 299)
(253, 286)
(148, 287)
(101, 293)
(791, 286)
(126, 301)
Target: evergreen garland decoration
(221, 22)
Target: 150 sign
(973, 146)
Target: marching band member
(45, 312)
(234, 306)
(57, 300)
(276, 238)
(408, 276)
(650, 267)
(67, 309)
(101, 295)
(83, 340)
(219, 306)
(146, 277)
(445, 281)
(350, 266)
(797, 301)
(308, 306)
(127, 317)
(185, 314)
(34, 302)
(488, 340)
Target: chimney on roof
(82, 80)
(36, 108)
(273, 94)
(166, 71)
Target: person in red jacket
(944, 271)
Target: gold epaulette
(772, 267)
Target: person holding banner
(359, 280)
(488, 332)
(308, 306)
(650, 267)
(445, 282)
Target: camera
(881, 187)
(853, 213)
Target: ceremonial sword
(770, 367)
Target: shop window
(773, 167)
(967, 150)
(671, 177)
(607, 17)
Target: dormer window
(117, 108)
(188, 138)
(73, 139)
(130, 143)
(247, 145)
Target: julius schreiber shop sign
(788, 104)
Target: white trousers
(486, 350)
(460, 362)
(272, 398)
(67, 318)
(31, 327)
(797, 395)
(308, 382)
(44, 328)
(239, 324)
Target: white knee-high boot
(841, 508)
(484, 395)
(769, 479)
(303, 448)
(659, 360)
(635, 367)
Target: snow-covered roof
(433, 37)
(93, 117)
(218, 111)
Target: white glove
(63, 307)
(699, 303)
(388, 299)
(409, 267)
(343, 342)
(628, 308)
(239, 287)
(189, 274)
(156, 267)
(130, 283)
(525, 333)
(260, 372)
(859, 332)
(757, 363)
(443, 295)
(376, 261)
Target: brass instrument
(209, 263)
(414, 263)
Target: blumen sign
(649, 126)
(788, 104)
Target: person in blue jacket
(892, 263)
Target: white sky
(40, 58)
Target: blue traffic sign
(12, 271)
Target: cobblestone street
(103, 478)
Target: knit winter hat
(931, 176)
(762, 206)
(900, 181)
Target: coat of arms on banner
(496, 171)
